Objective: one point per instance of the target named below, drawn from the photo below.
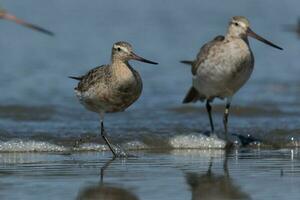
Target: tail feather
(192, 96)
(76, 78)
(187, 62)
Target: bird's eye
(236, 24)
(119, 49)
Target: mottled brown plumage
(113, 87)
(204, 52)
(223, 66)
(109, 88)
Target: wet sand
(177, 174)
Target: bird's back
(100, 74)
(109, 89)
(205, 51)
(222, 66)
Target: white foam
(29, 146)
(192, 141)
(196, 141)
(201, 153)
(92, 147)
(135, 145)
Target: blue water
(178, 174)
(39, 111)
(35, 67)
(37, 97)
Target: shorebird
(223, 66)
(111, 88)
(6, 15)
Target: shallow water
(178, 174)
(62, 150)
(38, 105)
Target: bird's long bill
(139, 58)
(254, 35)
(13, 18)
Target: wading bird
(111, 88)
(8, 16)
(223, 66)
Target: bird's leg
(210, 166)
(104, 168)
(225, 164)
(225, 119)
(103, 134)
(208, 108)
(116, 150)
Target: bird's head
(239, 26)
(123, 51)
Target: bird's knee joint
(225, 119)
(226, 111)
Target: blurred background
(37, 97)
(39, 111)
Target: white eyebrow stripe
(243, 25)
(123, 48)
(240, 23)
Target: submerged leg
(104, 168)
(225, 118)
(225, 164)
(208, 108)
(210, 166)
(103, 134)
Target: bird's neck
(121, 68)
(242, 37)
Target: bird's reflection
(103, 191)
(211, 186)
(293, 28)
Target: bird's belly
(110, 99)
(239, 77)
(224, 78)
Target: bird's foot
(207, 133)
(78, 142)
(121, 153)
(229, 145)
(247, 140)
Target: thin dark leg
(208, 108)
(106, 140)
(225, 164)
(104, 168)
(225, 120)
(210, 166)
